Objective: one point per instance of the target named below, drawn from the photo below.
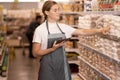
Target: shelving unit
(18, 19)
(98, 73)
(104, 65)
(4, 62)
(81, 76)
(1, 53)
(103, 76)
(3, 49)
(74, 62)
(72, 50)
(17, 23)
(92, 12)
(72, 54)
(100, 53)
(2, 43)
(76, 77)
(111, 37)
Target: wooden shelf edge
(101, 53)
(105, 77)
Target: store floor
(21, 67)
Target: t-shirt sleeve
(37, 37)
(68, 30)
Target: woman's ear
(47, 13)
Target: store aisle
(23, 68)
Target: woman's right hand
(55, 46)
(106, 30)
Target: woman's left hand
(55, 45)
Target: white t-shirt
(41, 32)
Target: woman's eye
(55, 10)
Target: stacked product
(73, 6)
(100, 54)
(18, 20)
(103, 57)
(3, 60)
(5, 64)
(99, 20)
(67, 19)
(88, 21)
(117, 5)
(77, 6)
(106, 5)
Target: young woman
(53, 64)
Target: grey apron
(54, 66)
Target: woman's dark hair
(47, 6)
(38, 17)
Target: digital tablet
(59, 41)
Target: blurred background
(95, 57)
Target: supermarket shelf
(81, 76)
(1, 61)
(74, 61)
(1, 50)
(73, 13)
(72, 50)
(103, 12)
(101, 53)
(76, 77)
(2, 54)
(93, 12)
(74, 38)
(95, 70)
(111, 37)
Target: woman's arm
(38, 52)
(91, 31)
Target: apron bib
(54, 66)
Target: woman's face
(54, 13)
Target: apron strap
(57, 26)
(60, 29)
(47, 27)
